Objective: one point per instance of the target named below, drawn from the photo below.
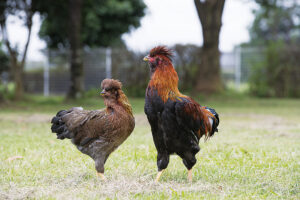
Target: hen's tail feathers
(59, 127)
(215, 121)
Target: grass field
(255, 155)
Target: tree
(24, 10)
(76, 88)
(4, 67)
(208, 77)
(276, 20)
(91, 23)
(4, 60)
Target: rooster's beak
(146, 58)
(102, 93)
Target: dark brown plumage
(98, 133)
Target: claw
(190, 175)
(101, 175)
(158, 176)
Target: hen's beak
(102, 93)
(146, 58)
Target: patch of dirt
(277, 124)
(118, 186)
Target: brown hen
(97, 133)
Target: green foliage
(276, 28)
(103, 21)
(278, 75)
(276, 20)
(7, 92)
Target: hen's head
(113, 94)
(111, 89)
(159, 55)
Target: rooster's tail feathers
(214, 121)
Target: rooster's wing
(192, 117)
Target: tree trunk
(18, 80)
(209, 74)
(17, 68)
(76, 88)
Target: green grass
(255, 155)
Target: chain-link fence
(52, 75)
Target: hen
(177, 121)
(97, 133)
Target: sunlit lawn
(255, 155)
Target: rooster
(177, 121)
(97, 133)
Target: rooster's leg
(101, 175)
(190, 177)
(158, 176)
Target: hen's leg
(162, 164)
(99, 164)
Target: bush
(7, 92)
(279, 74)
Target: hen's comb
(161, 50)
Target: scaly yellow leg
(190, 177)
(101, 175)
(158, 176)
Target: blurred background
(68, 47)
(240, 57)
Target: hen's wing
(194, 118)
(83, 126)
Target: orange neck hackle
(165, 81)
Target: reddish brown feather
(199, 113)
(122, 99)
(165, 81)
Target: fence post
(46, 75)
(108, 63)
(237, 73)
